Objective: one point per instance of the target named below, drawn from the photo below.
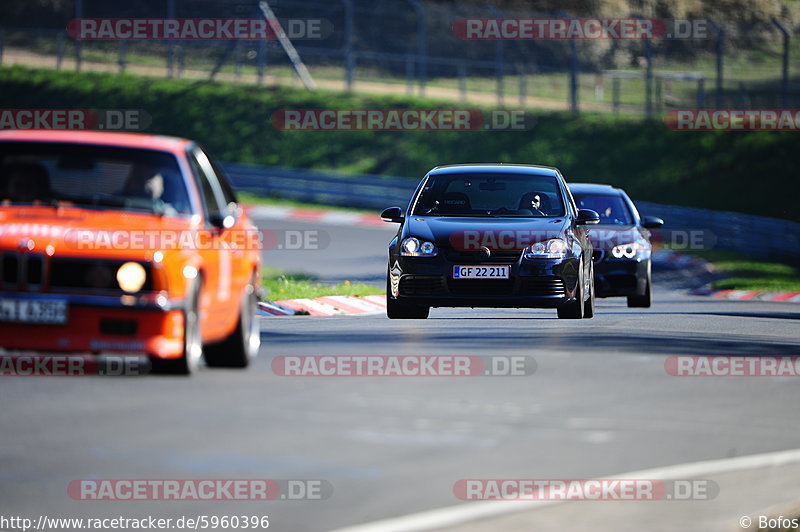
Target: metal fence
(752, 235)
(410, 46)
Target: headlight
(555, 248)
(131, 276)
(629, 251)
(413, 247)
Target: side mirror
(652, 222)
(587, 217)
(222, 221)
(393, 214)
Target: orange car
(124, 243)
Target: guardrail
(743, 233)
(347, 190)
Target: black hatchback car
(621, 241)
(491, 235)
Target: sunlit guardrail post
(121, 53)
(499, 58)
(348, 44)
(78, 42)
(785, 65)
(719, 50)
(422, 45)
(59, 49)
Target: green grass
(752, 273)
(256, 199)
(283, 285)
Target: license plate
(33, 310)
(481, 272)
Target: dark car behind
(621, 241)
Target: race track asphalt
(599, 403)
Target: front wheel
(241, 347)
(189, 361)
(642, 301)
(397, 310)
(575, 309)
(588, 307)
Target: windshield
(612, 209)
(491, 195)
(92, 176)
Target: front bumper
(540, 283)
(149, 324)
(621, 277)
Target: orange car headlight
(131, 276)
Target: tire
(588, 307)
(189, 361)
(573, 310)
(395, 310)
(241, 347)
(642, 301)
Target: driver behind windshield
(151, 182)
(24, 182)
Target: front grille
(69, 273)
(34, 269)
(543, 287)
(477, 257)
(480, 287)
(621, 282)
(10, 268)
(21, 269)
(418, 285)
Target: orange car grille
(36, 272)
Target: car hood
(607, 236)
(85, 232)
(465, 232)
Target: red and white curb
(753, 295)
(326, 306)
(322, 216)
(705, 273)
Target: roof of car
(506, 168)
(106, 138)
(593, 188)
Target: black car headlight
(555, 248)
(414, 247)
(634, 250)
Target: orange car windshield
(100, 177)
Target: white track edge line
(462, 513)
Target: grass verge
(286, 285)
(752, 273)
